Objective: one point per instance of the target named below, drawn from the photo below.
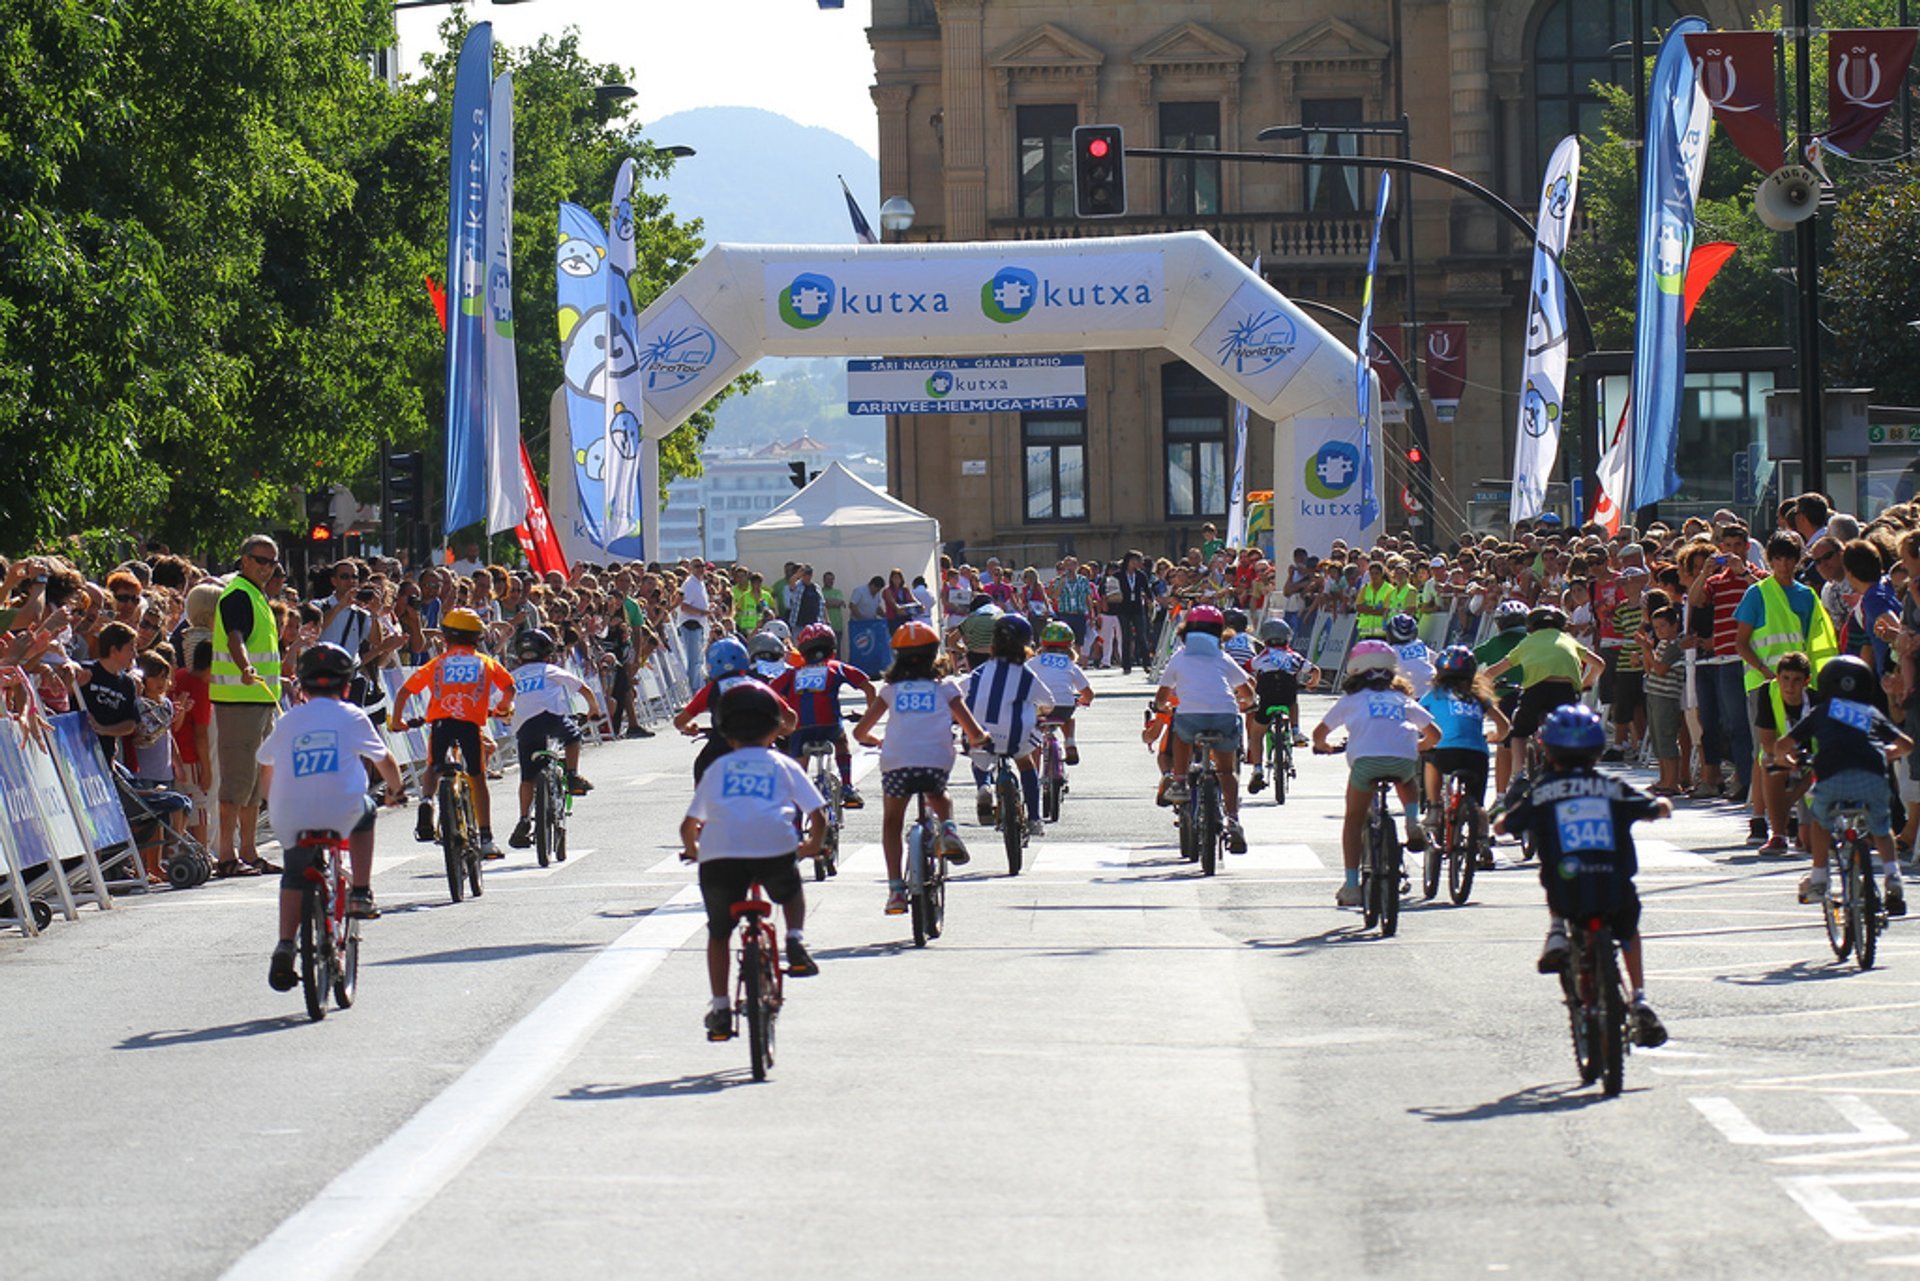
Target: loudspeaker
(1787, 197)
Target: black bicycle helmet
(747, 711)
(325, 668)
(1846, 676)
(1236, 620)
(533, 646)
(1547, 618)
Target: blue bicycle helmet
(726, 657)
(1014, 629)
(1402, 628)
(1457, 661)
(1575, 732)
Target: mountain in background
(760, 178)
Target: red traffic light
(1097, 148)
(1414, 454)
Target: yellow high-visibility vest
(263, 651)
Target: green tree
(1872, 292)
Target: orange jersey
(457, 686)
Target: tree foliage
(214, 225)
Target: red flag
(1865, 69)
(1736, 73)
(1446, 366)
(536, 535)
(1390, 383)
(439, 297)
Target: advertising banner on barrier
(1325, 494)
(973, 385)
(77, 752)
(24, 820)
(62, 824)
(867, 645)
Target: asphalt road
(1107, 1067)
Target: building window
(1055, 446)
(1194, 412)
(1046, 160)
(1190, 186)
(1332, 188)
(1570, 52)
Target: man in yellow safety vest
(244, 688)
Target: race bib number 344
(1586, 823)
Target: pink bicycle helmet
(1372, 656)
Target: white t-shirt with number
(319, 782)
(1204, 682)
(1379, 722)
(750, 804)
(919, 724)
(542, 687)
(1060, 674)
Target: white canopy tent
(841, 525)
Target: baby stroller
(149, 812)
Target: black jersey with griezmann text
(1581, 822)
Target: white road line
(534, 872)
(1665, 854)
(347, 1223)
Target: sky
(790, 56)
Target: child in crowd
(1386, 732)
(150, 756)
(1666, 674)
(192, 731)
(741, 829)
(1780, 706)
(922, 705)
(1464, 707)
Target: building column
(963, 90)
(1472, 102)
(896, 166)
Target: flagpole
(1813, 464)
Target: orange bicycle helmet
(915, 634)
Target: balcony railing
(1301, 239)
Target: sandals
(229, 868)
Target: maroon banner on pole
(1390, 383)
(1736, 71)
(1865, 69)
(1446, 366)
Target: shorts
(239, 729)
(1663, 726)
(726, 881)
(1466, 762)
(914, 780)
(1365, 771)
(1538, 700)
(1623, 918)
(298, 858)
(1909, 787)
(540, 730)
(463, 737)
(834, 734)
(1626, 692)
(1188, 726)
(1058, 715)
(1853, 789)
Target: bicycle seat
(817, 748)
(321, 837)
(752, 907)
(1211, 738)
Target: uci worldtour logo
(1258, 343)
(1014, 292)
(676, 357)
(1332, 470)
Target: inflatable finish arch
(1182, 291)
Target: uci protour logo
(677, 356)
(1014, 293)
(1332, 470)
(807, 301)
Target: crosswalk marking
(1654, 853)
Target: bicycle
(1053, 772)
(1010, 809)
(1381, 863)
(329, 946)
(1597, 1003)
(826, 781)
(926, 875)
(459, 828)
(1276, 751)
(1456, 843)
(759, 988)
(1852, 907)
(1206, 826)
(552, 805)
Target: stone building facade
(977, 100)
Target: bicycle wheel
(1281, 750)
(917, 885)
(1207, 831)
(1012, 821)
(1183, 827)
(473, 859)
(1835, 910)
(1863, 907)
(753, 979)
(1439, 853)
(315, 977)
(1612, 1014)
(1370, 874)
(1583, 1059)
(346, 983)
(1388, 882)
(1463, 851)
(543, 816)
(937, 899)
(452, 840)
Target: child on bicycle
(312, 772)
(1279, 674)
(743, 830)
(1553, 667)
(1464, 706)
(922, 705)
(1846, 732)
(1008, 698)
(728, 665)
(459, 685)
(1386, 732)
(1067, 686)
(1416, 660)
(543, 712)
(1581, 822)
(813, 691)
(1214, 694)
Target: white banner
(1536, 440)
(506, 487)
(678, 350)
(1324, 486)
(973, 385)
(946, 296)
(563, 487)
(1257, 341)
(623, 382)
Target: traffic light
(320, 514)
(403, 486)
(1416, 455)
(1099, 172)
(798, 474)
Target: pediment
(1189, 45)
(1332, 41)
(1047, 48)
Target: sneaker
(1258, 782)
(1160, 794)
(423, 829)
(522, 835)
(1177, 791)
(1416, 837)
(950, 847)
(800, 962)
(1036, 828)
(1645, 1027)
(1895, 897)
(577, 785)
(1811, 890)
(1484, 860)
(850, 799)
(719, 1025)
(1553, 954)
(896, 902)
(639, 731)
(1774, 845)
(1236, 837)
(281, 974)
(489, 851)
(361, 907)
(1347, 896)
(983, 806)
(1757, 829)
(1073, 753)
(1299, 739)
(1613, 754)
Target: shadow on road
(226, 1032)
(862, 951)
(679, 1087)
(1354, 932)
(1534, 1100)
(1797, 972)
(494, 952)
